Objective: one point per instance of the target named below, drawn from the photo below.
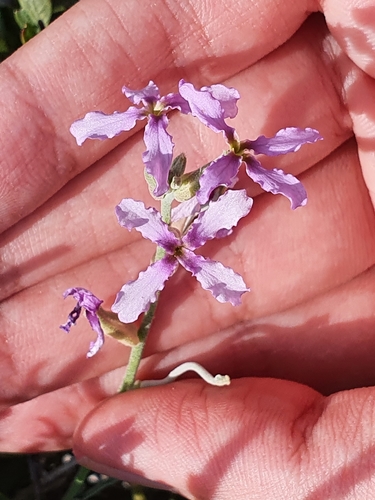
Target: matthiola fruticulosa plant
(207, 207)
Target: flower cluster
(213, 208)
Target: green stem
(166, 207)
(77, 484)
(137, 351)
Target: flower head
(159, 146)
(211, 107)
(90, 303)
(217, 220)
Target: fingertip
(197, 439)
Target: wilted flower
(211, 105)
(90, 303)
(159, 146)
(217, 220)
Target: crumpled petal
(96, 326)
(158, 156)
(224, 284)
(228, 97)
(88, 301)
(136, 296)
(147, 95)
(221, 215)
(220, 172)
(277, 182)
(287, 140)
(175, 101)
(206, 108)
(133, 214)
(98, 125)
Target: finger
(326, 343)
(269, 249)
(257, 437)
(54, 416)
(352, 50)
(39, 155)
(83, 212)
(351, 24)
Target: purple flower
(86, 300)
(211, 108)
(159, 146)
(217, 220)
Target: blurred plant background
(49, 476)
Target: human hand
(287, 258)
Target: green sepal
(186, 186)
(177, 168)
(126, 333)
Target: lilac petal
(72, 319)
(228, 97)
(87, 300)
(206, 108)
(224, 284)
(175, 101)
(220, 215)
(149, 94)
(136, 296)
(84, 298)
(287, 140)
(98, 125)
(158, 156)
(132, 214)
(187, 208)
(95, 325)
(220, 172)
(277, 182)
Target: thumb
(258, 438)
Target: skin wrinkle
(303, 427)
(29, 101)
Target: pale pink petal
(287, 140)
(158, 156)
(98, 125)
(185, 209)
(277, 182)
(133, 214)
(228, 97)
(206, 108)
(147, 95)
(136, 296)
(224, 284)
(220, 217)
(220, 172)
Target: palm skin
(308, 318)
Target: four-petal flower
(211, 108)
(217, 220)
(90, 303)
(159, 145)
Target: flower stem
(137, 350)
(77, 484)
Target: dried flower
(90, 303)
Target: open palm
(309, 317)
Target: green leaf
(32, 12)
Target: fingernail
(129, 477)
